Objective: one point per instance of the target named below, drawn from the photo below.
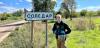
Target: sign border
(37, 12)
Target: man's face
(58, 18)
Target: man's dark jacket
(59, 28)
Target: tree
(91, 13)
(70, 6)
(83, 13)
(64, 12)
(43, 5)
(74, 14)
(3, 16)
(8, 14)
(98, 13)
(18, 13)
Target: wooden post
(46, 35)
(32, 27)
(46, 27)
(32, 30)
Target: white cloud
(78, 5)
(29, 0)
(0, 12)
(89, 8)
(17, 3)
(53, 0)
(20, 0)
(29, 9)
(1, 3)
(9, 9)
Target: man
(60, 29)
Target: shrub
(80, 25)
(13, 18)
(3, 18)
(51, 21)
(91, 25)
(84, 25)
(99, 27)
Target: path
(6, 29)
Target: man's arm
(67, 29)
(54, 28)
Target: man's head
(58, 17)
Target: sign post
(46, 35)
(32, 30)
(33, 16)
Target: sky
(14, 5)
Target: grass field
(78, 38)
(10, 20)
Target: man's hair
(59, 13)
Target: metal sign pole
(46, 35)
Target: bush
(99, 27)
(84, 25)
(80, 25)
(13, 18)
(3, 18)
(91, 25)
(83, 12)
(51, 21)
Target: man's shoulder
(65, 24)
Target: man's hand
(57, 26)
(66, 31)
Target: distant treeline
(82, 13)
(19, 14)
(14, 15)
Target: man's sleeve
(68, 29)
(54, 28)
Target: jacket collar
(60, 22)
